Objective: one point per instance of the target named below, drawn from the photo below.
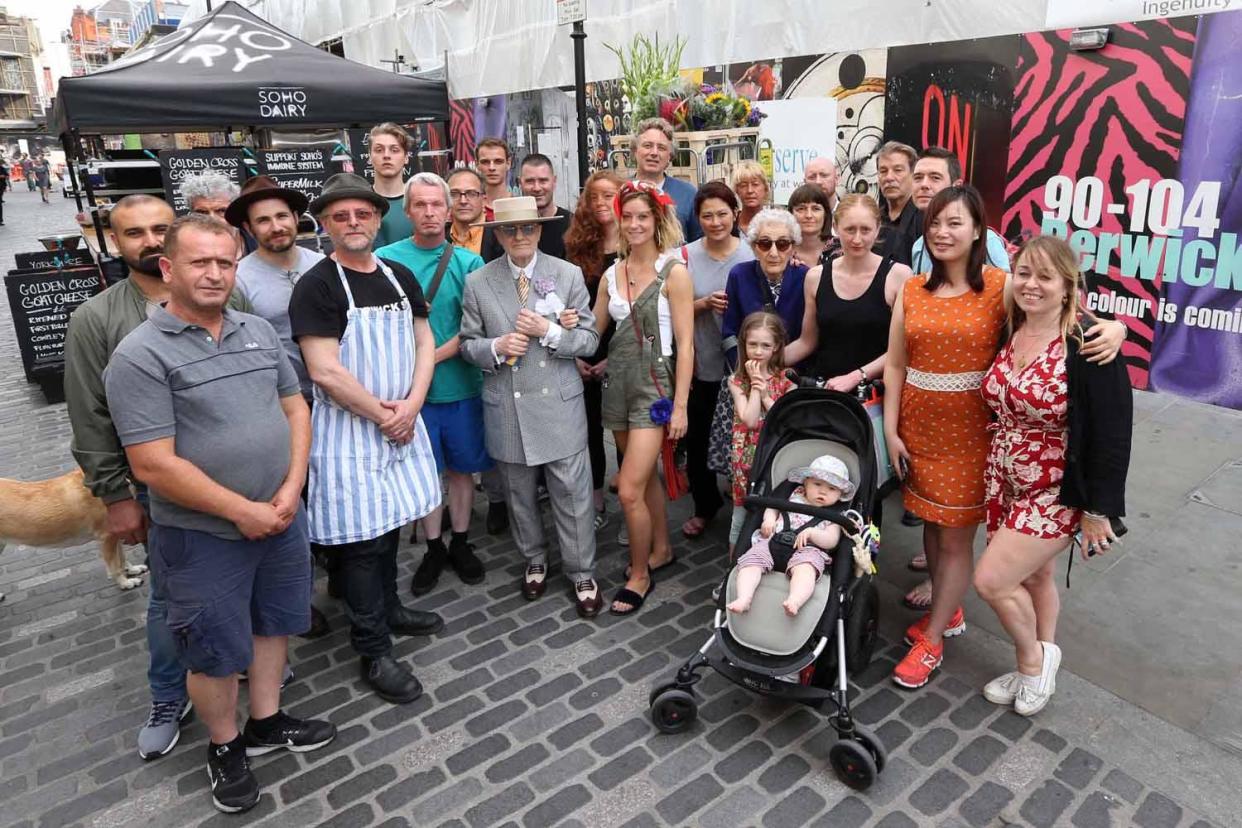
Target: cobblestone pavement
(533, 717)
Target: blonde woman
(650, 295)
(1057, 463)
(753, 191)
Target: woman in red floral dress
(1058, 460)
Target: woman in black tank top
(846, 321)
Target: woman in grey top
(709, 259)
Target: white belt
(968, 381)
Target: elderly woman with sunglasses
(772, 282)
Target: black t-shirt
(897, 238)
(551, 240)
(319, 304)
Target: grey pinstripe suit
(533, 412)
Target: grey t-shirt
(220, 402)
(709, 275)
(269, 288)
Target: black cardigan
(1101, 419)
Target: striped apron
(362, 485)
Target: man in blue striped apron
(361, 323)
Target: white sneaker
(1033, 695)
(1003, 689)
(623, 536)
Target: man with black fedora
(361, 322)
(270, 213)
(525, 317)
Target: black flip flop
(629, 596)
(651, 570)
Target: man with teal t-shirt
(389, 152)
(453, 413)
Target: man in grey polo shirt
(209, 411)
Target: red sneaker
(916, 668)
(957, 626)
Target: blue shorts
(456, 433)
(221, 593)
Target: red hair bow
(662, 198)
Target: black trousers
(703, 486)
(366, 572)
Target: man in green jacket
(95, 329)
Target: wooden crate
(690, 154)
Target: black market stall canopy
(231, 68)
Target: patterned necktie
(523, 288)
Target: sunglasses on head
(511, 230)
(765, 244)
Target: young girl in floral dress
(757, 383)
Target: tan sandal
(919, 598)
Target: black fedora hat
(347, 185)
(257, 189)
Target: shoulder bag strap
(442, 266)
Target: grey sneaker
(623, 536)
(163, 728)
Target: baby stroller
(805, 658)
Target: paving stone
(431, 809)
(492, 810)
(794, 810)
(972, 712)
(1044, 807)
(606, 663)
(924, 709)
(742, 761)
(620, 769)
(361, 785)
(732, 731)
(1010, 725)
(645, 666)
(65, 813)
(595, 693)
(985, 804)
(578, 729)
(1049, 740)
(1078, 768)
(477, 656)
(460, 686)
(511, 685)
(784, 774)
(1158, 811)
(620, 736)
(379, 747)
(540, 722)
(643, 820)
(535, 631)
(1096, 811)
(477, 753)
(400, 713)
(979, 755)
(681, 804)
(794, 726)
(876, 706)
(892, 734)
(850, 812)
(933, 745)
(554, 689)
(569, 636)
(892, 785)
(1123, 785)
(679, 767)
(942, 789)
(495, 716)
(74, 762)
(452, 713)
(724, 706)
(319, 777)
(556, 807)
(409, 788)
(561, 770)
(356, 817)
(512, 767)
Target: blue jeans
(165, 675)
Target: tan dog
(61, 512)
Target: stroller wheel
(659, 690)
(853, 764)
(873, 745)
(674, 710)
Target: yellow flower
(745, 106)
(715, 97)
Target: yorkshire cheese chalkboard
(41, 302)
(177, 165)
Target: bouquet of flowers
(704, 106)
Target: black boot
(463, 560)
(497, 518)
(405, 621)
(391, 680)
(428, 573)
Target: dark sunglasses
(511, 230)
(765, 244)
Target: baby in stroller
(792, 542)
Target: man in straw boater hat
(361, 323)
(525, 317)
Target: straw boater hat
(828, 469)
(347, 185)
(257, 189)
(517, 210)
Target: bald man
(822, 172)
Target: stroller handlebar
(837, 516)
(865, 390)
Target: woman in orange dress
(946, 330)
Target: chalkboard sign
(176, 165)
(41, 303)
(53, 260)
(298, 168)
